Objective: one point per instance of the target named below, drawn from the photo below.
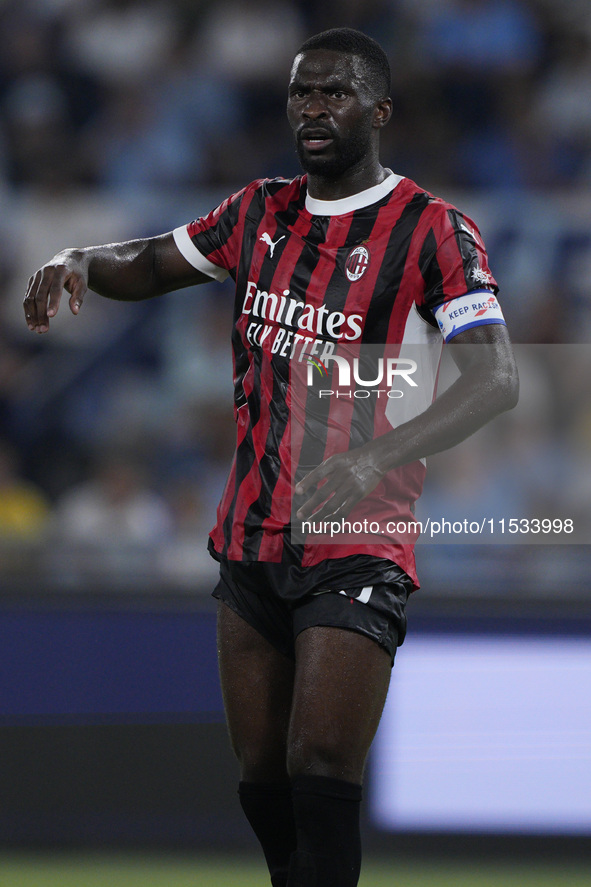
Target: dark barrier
(112, 730)
(111, 724)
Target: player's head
(351, 42)
(338, 100)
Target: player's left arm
(488, 385)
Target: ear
(383, 112)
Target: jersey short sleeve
(212, 243)
(459, 288)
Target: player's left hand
(339, 484)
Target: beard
(343, 155)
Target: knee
(324, 756)
(261, 762)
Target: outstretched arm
(130, 271)
(488, 385)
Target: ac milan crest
(357, 263)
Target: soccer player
(349, 254)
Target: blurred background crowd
(125, 118)
(122, 94)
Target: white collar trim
(356, 201)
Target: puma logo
(270, 243)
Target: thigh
(257, 685)
(341, 684)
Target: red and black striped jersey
(315, 279)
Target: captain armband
(476, 308)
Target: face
(332, 112)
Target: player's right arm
(129, 272)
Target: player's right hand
(65, 271)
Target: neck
(356, 179)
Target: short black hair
(357, 43)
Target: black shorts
(368, 596)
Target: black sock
(269, 809)
(329, 843)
